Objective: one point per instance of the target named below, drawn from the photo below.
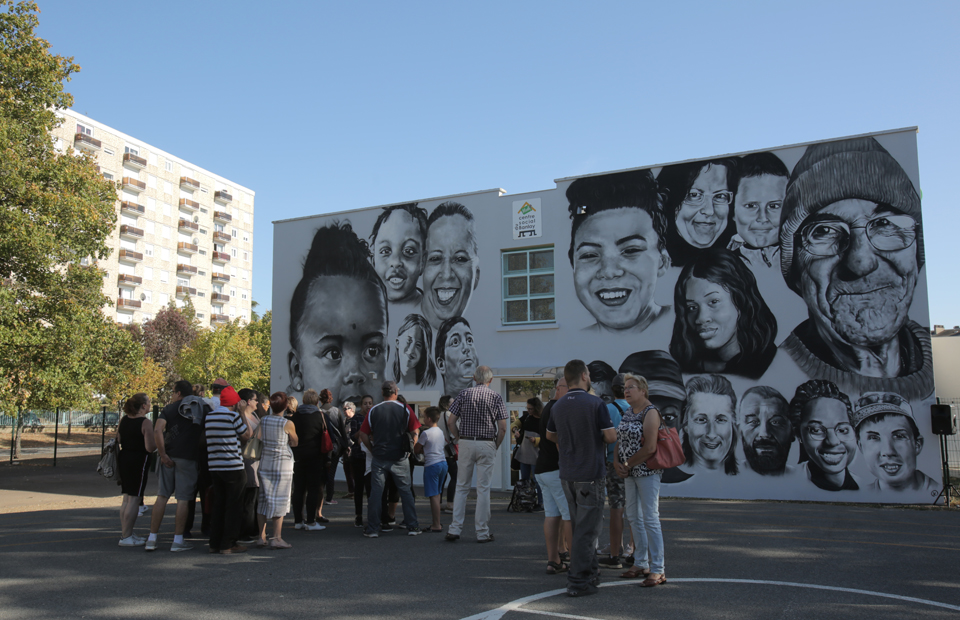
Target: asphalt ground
(59, 559)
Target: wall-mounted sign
(527, 222)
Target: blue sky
(322, 106)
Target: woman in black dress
(135, 436)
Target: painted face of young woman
(342, 338)
(398, 255)
(828, 437)
(451, 271)
(712, 316)
(702, 216)
(709, 428)
(410, 348)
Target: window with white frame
(148, 249)
(151, 204)
(133, 150)
(168, 187)
(164, 276)
(163, 299)
(148, 226)
(148, 273)
(151, 181)
(88, 131)
(168, 166)
(152, 158)
(164, 254)
(108, 175)
(528, 288)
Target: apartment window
(199, 315)
(203, 252)
(528, 291)
(152, 158)
(202, 210)
(201, 273)
(203, 231)
(132, 150)
(108, 176)
(234, 233)
(201, 294)
(168, 187)
(233, 292)
(148, 249)
(151, 204)
(246, 218)
(151, 181)
(165, 208)
(233, 272)
(218, 227)
(246, 236)
(183, 282)
(166, 231)
(148, 226)
(163, 299)
(148, 272)
(243, 295)
(164, 254)
(246, 256)
(164, 276)
(203, 190)
(85, 130)
(243, 274)
(233, 251)
(168, 166)
(124, 319)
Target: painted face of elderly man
(852, 248)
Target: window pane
(516, 311)
(541, 285)
(515, 262)
(542, 259)
(542, 310)
(516, 286)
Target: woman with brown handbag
(642, 485)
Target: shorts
(432, 475)
(133, 475)
(616, 493)
(554, 500)
(179, 481)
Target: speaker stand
(948, 486)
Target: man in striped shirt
(225, 428)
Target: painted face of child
(398, 255)
(410, 348)
(342, 338)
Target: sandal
(554, 568)
(274, 545)
(635, 573)
(565, 556)
(649, 582)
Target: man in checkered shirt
(481, 427)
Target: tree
(227, 351)
(259, 329)
(56, 346)
(165, 336)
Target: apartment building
(183, 232)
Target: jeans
(643, 513)
(585, 500)
(526, 473)
(226, 508)
(308, 478)
(361, 483)
(479, 455)
(399, 471)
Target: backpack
(524, 498)
(108, 467)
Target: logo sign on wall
(527, 221)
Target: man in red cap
(225, 429)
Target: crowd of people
(253, 459)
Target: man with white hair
(480, 430)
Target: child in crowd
(430, 444)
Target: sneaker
(390, 520)
(151, 545)
(249, 541)
(585, 591)
(234, 549)
(130, 541)
(414, 531)
(139, 539)
(604, 550)
(299, 526)
(610, 562)
(627, 561)
(331, 502)
(175, 547)
(143, 510)
(358, 522)
(386, 527)
(314, 527)
(371, 535)
(323, 520)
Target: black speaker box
(943, 420)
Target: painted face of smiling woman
(709, 429)
(452, 269)
(712, 316)
(702, 216)
(616, 264)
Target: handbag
(253, 449)
(669, 451)
(108, 467)
(450, 449)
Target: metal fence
(46, 434)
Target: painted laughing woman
(338, 318)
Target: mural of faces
(342, 338)
(703, 214)
(828, 437)
(757, 209)
(616, 265)
(410, 349)
(853, 289)
(709, 429)
(890, 447)
(398, 256)
(669, 408)
(712, 316)
(452, 269)
(459, 360)
(767, 433)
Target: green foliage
(165, 336)
(259, 329)
(229, 351)
(520, 391)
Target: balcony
(134, 161)
(189, 205)
(132, 208)
(188, 225)
(191, 185)
(130, 232)
(219, 277)
(186, 270)
(221, 216)
(219, 318)
(222, 237)
(133, 185)
(183, 291)
(129, 281)
(129, 256)
(85, 142)
(127, 304)
(220, 257)
(222, 197)
(187, 248)
(219, 298)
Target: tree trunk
(17, 435)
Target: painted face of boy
(757, 209)
(891, 450)
(342, 338)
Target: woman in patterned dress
(276, 471)
(642, 485)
